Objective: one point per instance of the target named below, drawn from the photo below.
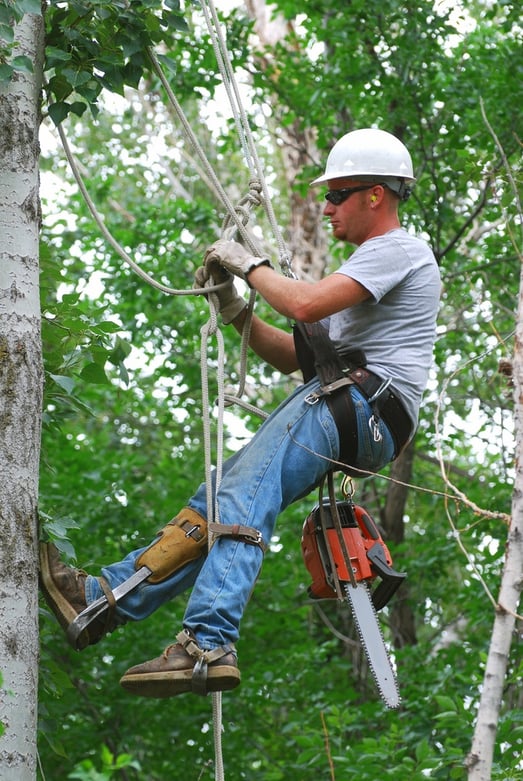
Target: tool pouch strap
(182, 540)
(246, 534)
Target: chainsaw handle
(367, 525)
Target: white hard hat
(371, 155)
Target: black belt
(390, 407)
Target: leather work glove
(235, 258)
(230, 303)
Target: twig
(327, 746)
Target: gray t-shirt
(396, 328)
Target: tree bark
(306, 236)
(20, 406)
(479, 760)
(402, 618)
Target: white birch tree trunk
(20, 407)
(479, 760)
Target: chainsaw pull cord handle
(364, 521)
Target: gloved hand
(234, 257)
(230, 303)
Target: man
(380, 306)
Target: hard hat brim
(363, 177)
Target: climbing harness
(317, 356)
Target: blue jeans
(286, 458)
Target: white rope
(208, 330)
(192, 138)
(239, 215)
(242, 124)
(108, 236)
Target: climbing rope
(245, 135)
(235, 222)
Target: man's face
(350, 220)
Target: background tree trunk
(20, 407)
(479, 760)
(402, 619)
(306, 237)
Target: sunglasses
(337, 197)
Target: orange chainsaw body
(323, 554)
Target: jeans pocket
(375, 447)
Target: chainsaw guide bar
(345, 553)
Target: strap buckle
(247, 534)
(326, 390)
(193, 531)
(312, 398)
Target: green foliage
(98, 45)
(86, 770)
(10, 62)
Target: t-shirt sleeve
(378, 266)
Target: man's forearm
(272, 344)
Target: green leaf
(6, 72)
(58, 112)
(66, 383)
(446, 702)
(7, 33)
(30, 6)
(5, 15)
(108, 327)
(78, 108)
(22, 63)
(95, 374)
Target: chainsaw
(345, 554)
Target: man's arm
(307, 301)
(296, 299)
(273, 345)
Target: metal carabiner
(374, 425)
(381, 390)
(347, 487)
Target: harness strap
(246, 534)
(317, 356)
(203, 659)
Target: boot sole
(162, 685)
(63, 611)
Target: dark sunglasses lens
(337, 196)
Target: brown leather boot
(184, 667)
(64, 590)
